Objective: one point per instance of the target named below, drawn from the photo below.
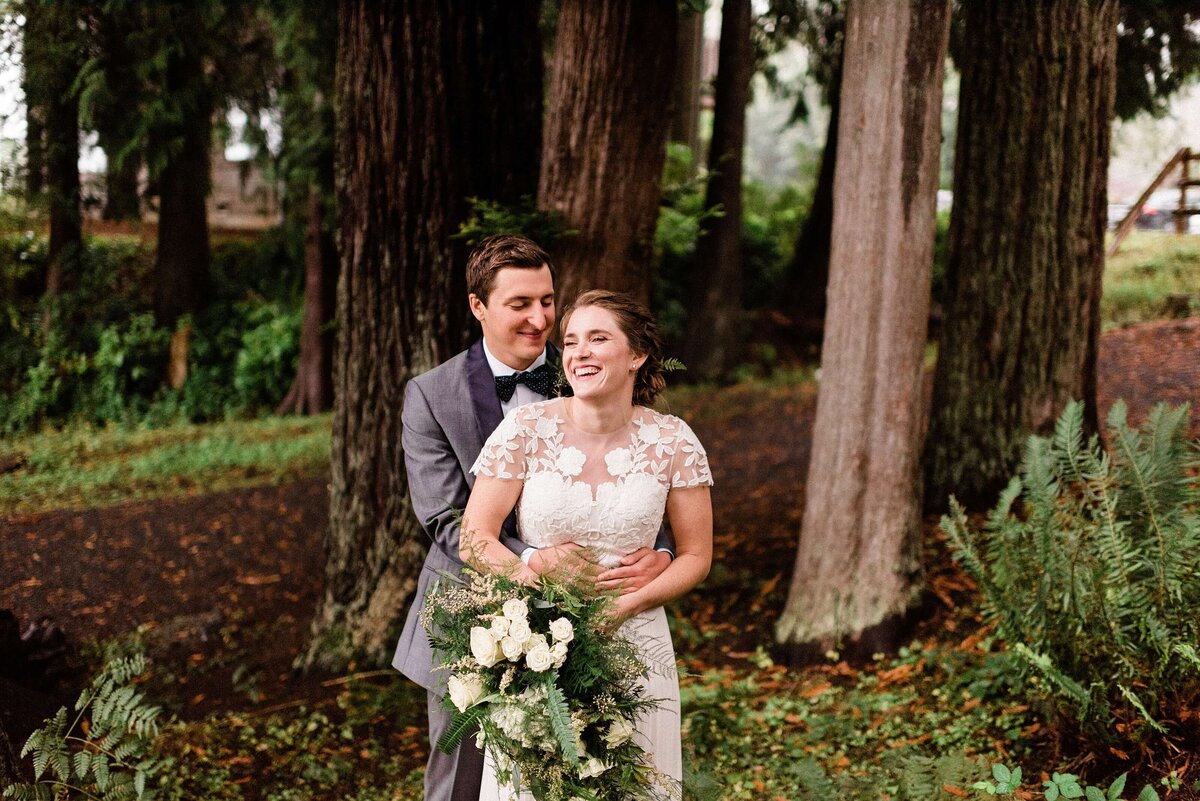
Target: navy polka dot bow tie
(537, 379)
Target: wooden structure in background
(1184, 156)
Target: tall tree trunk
(715, 315)
(605, 139)
(1025, 256)
(858, 569)
(33, 46)
(689, 63)
(10, 771)
(495, 73)
(401, 180)
(312, 389)
(116, 126)
(808, 272)
(61, 34)
(182, 258)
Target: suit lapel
(482, 386)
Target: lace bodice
(604, 491)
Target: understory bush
(1089, 567)
(102, 359)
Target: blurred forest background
(230, 232)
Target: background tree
(605, 139)
(689, 62)
(819, 25)
(307, 55)
(402, 180)
(116, 90)
(715, 314)
(53, 56)
(858, 570)
(1158, 51)
(1025, 255)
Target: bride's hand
(623, 609)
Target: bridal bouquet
(553, 695)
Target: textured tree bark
(1025, 256)
(689, 61)
(312, 389)
(714, 319)
(60, 32)
(605, 139)
(182, 257)
(10, 772)
(858, 570)
(401, 180)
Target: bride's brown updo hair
(640, 328)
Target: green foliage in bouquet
(109, 759)
(1094, 580)
(551, 691)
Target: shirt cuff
(527, 554)
(667, 551)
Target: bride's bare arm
(490, 502)
(690, 513)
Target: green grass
(1149, 268)
(81, 466)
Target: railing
(1184, 156)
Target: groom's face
(519, 314)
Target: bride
(597, 471)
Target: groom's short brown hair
(497, 252)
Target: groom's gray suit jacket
(449, 412)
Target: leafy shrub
(112, 757)
(1095, 584)
(489, 217)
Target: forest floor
(220, 587)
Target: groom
(448, 414)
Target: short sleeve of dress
(689, 463)
(504, 453)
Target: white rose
(649, 433)
(562, 630)
(618, 733)
(534, 641)
(592, 768)
(515, 609)
(465, 691)
(483, 646)
(519, 630)
(570, 461)
(539, 658)
(511, 648)
(619, 461)
(499, 627)
(559, 652)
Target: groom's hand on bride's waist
(636, 571)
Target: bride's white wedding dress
(607, 492)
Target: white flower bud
(562, 630)
(465, 691)
(484, 647)
(540, 659)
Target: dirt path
(212, 578)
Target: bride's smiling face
(596, 355)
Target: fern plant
(105, 751)
(1089, 567)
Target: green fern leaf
(560, 720)
(461, 725)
